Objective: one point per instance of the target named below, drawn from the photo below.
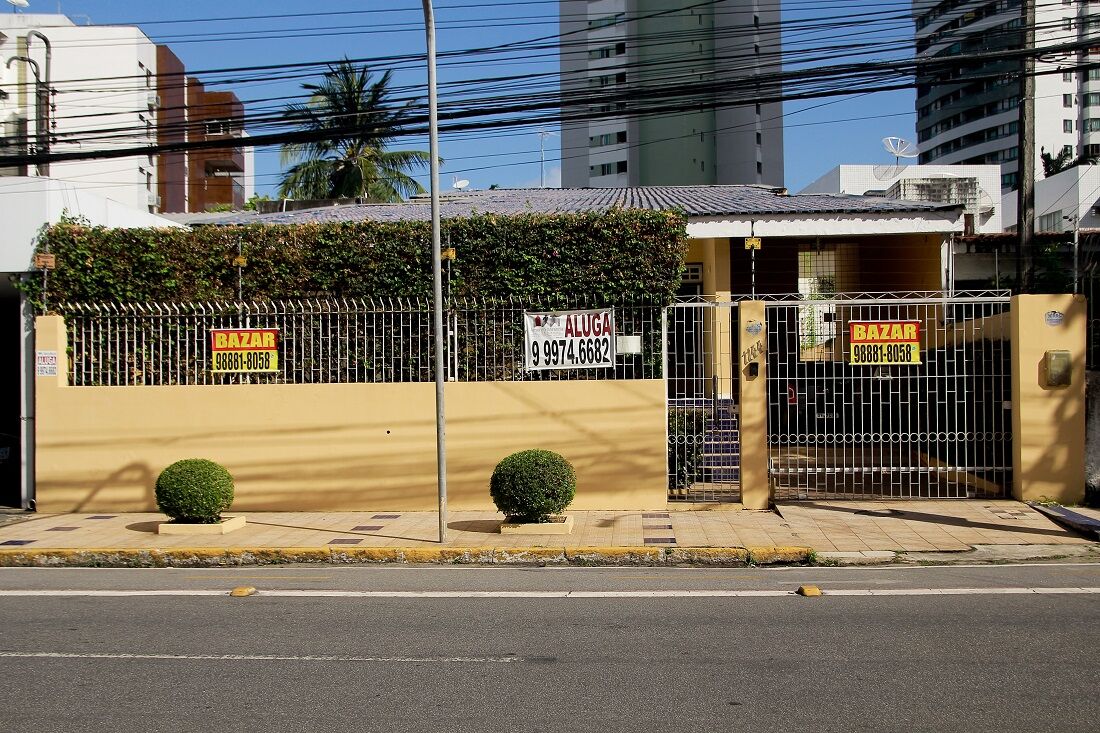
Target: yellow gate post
(751, 365)
(1048, 397)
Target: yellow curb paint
(521, 555)
(366, 555)
(809, 591)
(614, 555)
(779, 555)
(241, 591)
(708, 555)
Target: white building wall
(1073, 192)
(103, 79)
(876, 179)
(28, 203)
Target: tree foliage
(613, 254)
(351, 159)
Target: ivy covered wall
(536, 257)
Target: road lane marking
(716, 593)
(262, 658)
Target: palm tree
(355, 122)
(1053, 164)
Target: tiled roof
(695, 201)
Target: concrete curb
(1080, 523)
(580, 556)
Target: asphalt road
(974, 662)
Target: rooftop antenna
(17, 5)
(457, 184)
(543, 134)
(899, 148)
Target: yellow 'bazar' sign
(884, 342)
(244, 349)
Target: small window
(759, 139)
(1067, 125)
(1067, 100)
(1067, 76)
(759, 168)
(620, 167)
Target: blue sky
(818, 135)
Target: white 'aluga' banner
(569, 339)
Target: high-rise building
(968, 113)
(621, 58)
(67, 88)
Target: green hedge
(624, 252)
(194, 491)
(533, 485)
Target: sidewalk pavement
(830, 531)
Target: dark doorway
(11, 387)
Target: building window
(759, 168)
(606, 52)
(610, 138)
(1091, 100)
(1067, 76)
(1067, 125)
(1051, 222)
(1008, 180)
(1067, 100)
(1092, 124)
(607, 169)
(1067, 150)
(605, 21)
(759, 139)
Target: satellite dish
(899, 148)
(458, 185)
(18, 3)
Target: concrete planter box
(227, 525)
(557, 525)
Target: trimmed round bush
(532, 485)
(194, 491)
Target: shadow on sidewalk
(933, 519)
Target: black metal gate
(852, 423)
(704, 455)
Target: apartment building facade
(643, 86)
(969, 113)
(111, 88)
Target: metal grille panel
(938, 429)
(704, 461)
(382, 340)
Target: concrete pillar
(718, 323)
(755, 484)
(1048, 422)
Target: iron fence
(384, 340)
(938, 426)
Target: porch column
(752, 362)
(718, 326)
(1048, 415)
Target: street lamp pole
(437, 274)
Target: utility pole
(1025, 159)
(437, 274)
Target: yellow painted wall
(901, 262)
(1048, 423)
(331, 447)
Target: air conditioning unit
(153, 101)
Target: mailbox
(1057, 368)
